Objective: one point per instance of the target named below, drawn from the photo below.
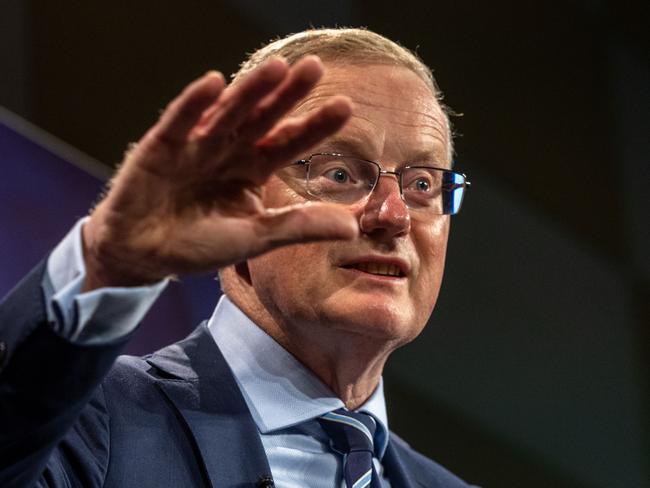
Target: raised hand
(187, 198)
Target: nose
(385, 214)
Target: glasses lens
(339, 178)
(433, 190)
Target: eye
(419, 183)
(422, 184)
(338, 175)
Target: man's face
(339, 286)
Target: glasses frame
(397, 173)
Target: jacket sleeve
(45, 383)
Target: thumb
(306, 222)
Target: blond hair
(356, 46)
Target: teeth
(379, 269)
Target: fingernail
(214, 72)
(280, 59)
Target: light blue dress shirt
(96, 316)
(283, 396)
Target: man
(346, 156)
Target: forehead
(395, 115)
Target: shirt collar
(280, 392)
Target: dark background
(534, 370)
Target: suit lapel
(395, 470)
(402, 469)
(198, 382)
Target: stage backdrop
(45, 185)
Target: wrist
(109, 264)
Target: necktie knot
(352, 434)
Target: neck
(351, 365)
(346, 363)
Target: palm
(188, 197)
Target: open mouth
(379, 269)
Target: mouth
(378, 268)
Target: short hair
(356, 46)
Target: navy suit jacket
(73, 415)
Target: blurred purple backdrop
(45, 186)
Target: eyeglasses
(344, 179)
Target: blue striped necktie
(352, 435)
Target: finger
(295, 136)
(184, 111)
(239, 99)
(302, 77)
(305, 223)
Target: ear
(232, 277)
(242, 271)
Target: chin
(385, 321)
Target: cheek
(275, 271)
(431, 246)
(431, 243)
(283, 279)
(276, 193)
